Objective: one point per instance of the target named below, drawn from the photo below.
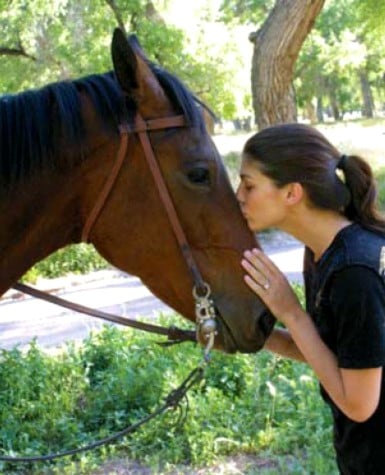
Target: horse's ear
(136, 46)
(124, 61)
(134, 73)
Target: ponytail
(360, 182)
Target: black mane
(35, 124)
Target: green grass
(380, 179)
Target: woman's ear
(294, 193)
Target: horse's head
(133, 230)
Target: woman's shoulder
(357, 245)
(358, 233)
(354, 246)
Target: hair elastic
(341, 164)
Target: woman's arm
(281, 343)
(355, 391)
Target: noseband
(205, 312)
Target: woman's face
(262, 202)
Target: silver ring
(267, 285)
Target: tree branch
(152, 13)
(16, 51)
(118, 16)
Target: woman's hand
(267, 281)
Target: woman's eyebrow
(244, 175)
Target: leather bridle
(141, 128)
(204, 306)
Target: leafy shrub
(246, 403)
(75, 259)
(380, 179)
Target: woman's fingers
(267, 281)
(256, 268)
(258, 257)
(259, 266)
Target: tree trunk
(367, 96)
(311, 112)
(320, 109)
(334, 104)
(276, 47)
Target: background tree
(46, 41)
(337, 69)
(277, 43)
(276, 47)
(341, 63)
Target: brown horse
(58, 146)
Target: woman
(293, 179)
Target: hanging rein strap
(205, 311)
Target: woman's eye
(247, 186)
(199, 176)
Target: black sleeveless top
(345, 296)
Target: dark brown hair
(299, 153)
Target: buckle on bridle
(205, 317)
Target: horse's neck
(34, 221)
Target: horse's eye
(199, 176)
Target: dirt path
(238, 465)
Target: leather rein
(205, 312)
(204, 306)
